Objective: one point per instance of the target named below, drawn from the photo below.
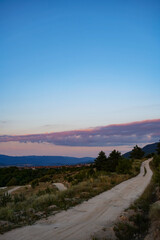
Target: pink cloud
(110, 135)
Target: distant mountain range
(42, 160)
(31, 161)
(148, 149)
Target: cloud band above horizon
(112, 135)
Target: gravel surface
(13, 189)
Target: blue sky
(67, 65)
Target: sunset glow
(82, 142)
(78, 76)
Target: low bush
(154, 212)
(34, 183)
(4, 199)
(37, 201)
(124, 231)
(18, 198)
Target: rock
(67, 199)
(123, 218)
(39, 214)
(52, 207)
(31, 210)
(5, 223)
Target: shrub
(18, 198)
(113, 160)
(124, 166)
(154, 212)
(137, 153)
(7, 214)
(101, 161)
(156, 161)
(12, 182)
(4, 199)
(45, 178)
(124, 231)
(34, 183)
(140, 221)
(42, 202)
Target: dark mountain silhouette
(42, 160)
(148, 149)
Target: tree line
(115, 162)
(12, 176)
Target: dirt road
(13, 189)
(82, 221)
(10, 190)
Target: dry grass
(36, 202)
(136, 166)
(29, 191)
(154, 212)
(30, 204)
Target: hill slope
(85, 219)
(148, 149)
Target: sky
(69, 66)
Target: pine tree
(113, 160)
(158, 148)
(100, 161)
(137, 153)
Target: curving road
(82, 221)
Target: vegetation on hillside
(39, 198)
(113, 163)
(11, 176)
(158, 148)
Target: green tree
(137, 153)
(124, 166)
(34, 183)
(156, 161)
(158, 148)
(12, 182)
(113, 160)
(4, 199)
(100, 161)
(156, 164)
